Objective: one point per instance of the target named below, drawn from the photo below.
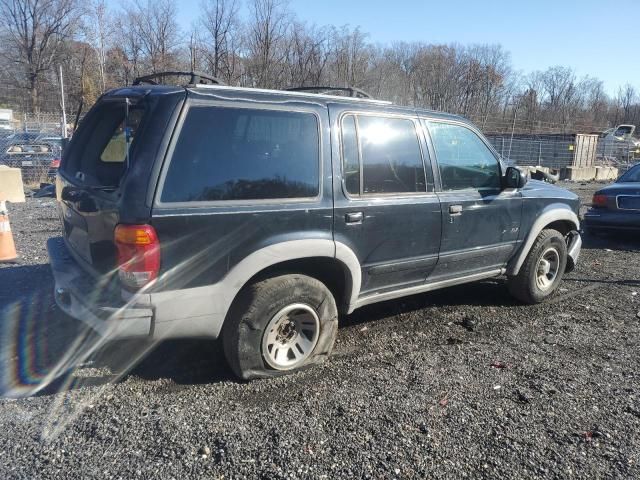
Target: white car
(619, 142)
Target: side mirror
(515, 178)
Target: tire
(528, 285)
(280, 325)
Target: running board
(427, 287)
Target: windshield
(624, 130)
(633, 175)
(22, 137)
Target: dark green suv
(261, 215)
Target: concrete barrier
(587, 174)
(531, 169)
(578, 174)
(11, 189)
(606, 173)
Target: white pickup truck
(6, 120)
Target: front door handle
(354, 217)
(455, 209)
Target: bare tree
(627, 101)
(266, 38)
(270, 48)
(306, 55)
(153, 32)
(350, 56)
(32, 33)
(595, 100)
(560, 92)
(98, 29)
(220, 21)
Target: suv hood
(538, 188)
(544, 193)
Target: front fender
(552, 213)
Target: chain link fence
(557, 151)
(32, 142)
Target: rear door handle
(354, 217)
(455, 209)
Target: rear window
(631, 176)
(99, 153)
(243, 154)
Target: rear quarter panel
(201, 242)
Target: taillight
(599, 200)
(138, 255)
(55, 163)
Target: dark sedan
(38, 156)
(616, 206)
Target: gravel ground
(458, 383)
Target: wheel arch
(332, 263)
(334, 274)
(557, 216)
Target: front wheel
(542, 270)
(280, 325)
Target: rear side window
(381, 155)
(243, 154)
(350, 155)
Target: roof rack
(195, 78)
(351, 91)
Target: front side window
(388, 160)
(243, 154)
(464, 160)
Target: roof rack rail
(195, 78)
(351, 91)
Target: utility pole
(64, 112)
(513, 127)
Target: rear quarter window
(226, 154)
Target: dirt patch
(463, 382)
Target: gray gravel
(458, 383)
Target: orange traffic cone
(7, 246)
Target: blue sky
(594, 37)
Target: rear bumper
(602, 219)
(96, 302)
(103, 306)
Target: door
(88, 190)
(385, 208)
(480, 220)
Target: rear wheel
(280, 325)
(542, 270)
